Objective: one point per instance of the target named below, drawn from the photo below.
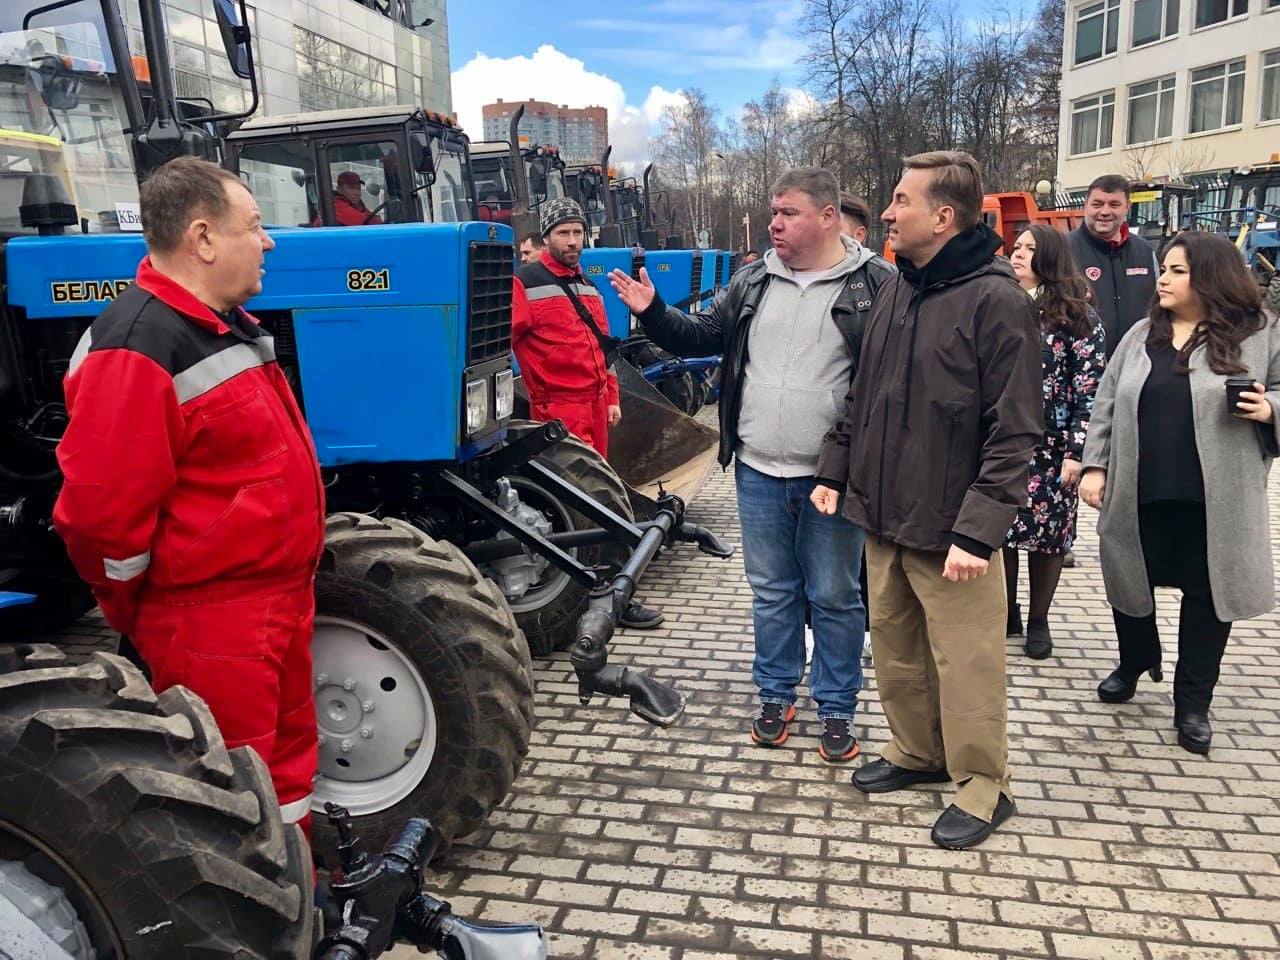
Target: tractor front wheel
(424, 686)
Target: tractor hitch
(380, 903)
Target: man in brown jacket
(932, 455)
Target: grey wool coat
(1235, 457)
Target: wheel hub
(375, 718)
(516, 575)
(527, 572)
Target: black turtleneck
(959, 256)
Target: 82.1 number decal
(368, 281)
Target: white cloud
(548, 74)
(800, 103)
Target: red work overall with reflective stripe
(563, 368)
(192, 505)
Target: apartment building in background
(1168, 88)
(581, 133)
(313, 54)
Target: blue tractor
(458, 537)
(1250, 218)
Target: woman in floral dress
(1074, 350)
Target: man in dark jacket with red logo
(560, 335)
(192, 501)
(932, 455)
(1120, 266)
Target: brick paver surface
(691, 843)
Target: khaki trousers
(939, 657)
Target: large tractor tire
(129, 831)
(424, 686)
(1271, 294)
(548, 613)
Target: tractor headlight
(477, 405)
(504, 394)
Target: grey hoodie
(797, 369)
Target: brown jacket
(946, 410)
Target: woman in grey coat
(1179, 472)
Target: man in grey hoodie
(790, 331)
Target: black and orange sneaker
(770, 728)
(838, 744)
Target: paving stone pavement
(691, 843)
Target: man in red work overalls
(558, 332)
(192, 501)
(348, 202)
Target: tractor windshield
(62, 115)
(493, 187)
(451, 199)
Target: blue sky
(632, 58)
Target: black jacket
(1123, 279)
(940, 425)
(723, 329)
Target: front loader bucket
(655, 443)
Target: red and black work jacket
(350, 214)
(186, 461)
(560, 359)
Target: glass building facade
(314, 54)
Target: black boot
(1039, 644)
(1119, 688)
(639, 617)
(1194, 732)
(1014, 627)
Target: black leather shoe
(640, 617)
(1119, 689)
(1039, 643)
(1194, 732)
(957, 830)
(1013, 628)
(881, 776)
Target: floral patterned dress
(1072, 370)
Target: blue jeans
(792, 554)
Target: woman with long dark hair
(1074, 350)
(1183, 434)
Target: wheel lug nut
(366, 733)
(346, 746)
(322, 680)
(348, 684)
(322, 740)
(367, 706)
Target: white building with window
(1168, 88)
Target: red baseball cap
(350, 177)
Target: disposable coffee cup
(1235, 387)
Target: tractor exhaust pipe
(648, 209)
(610, 233)
(522, 219)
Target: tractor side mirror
(235, 36)
(58, 89)
(420, 154)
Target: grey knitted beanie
(561, 210)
